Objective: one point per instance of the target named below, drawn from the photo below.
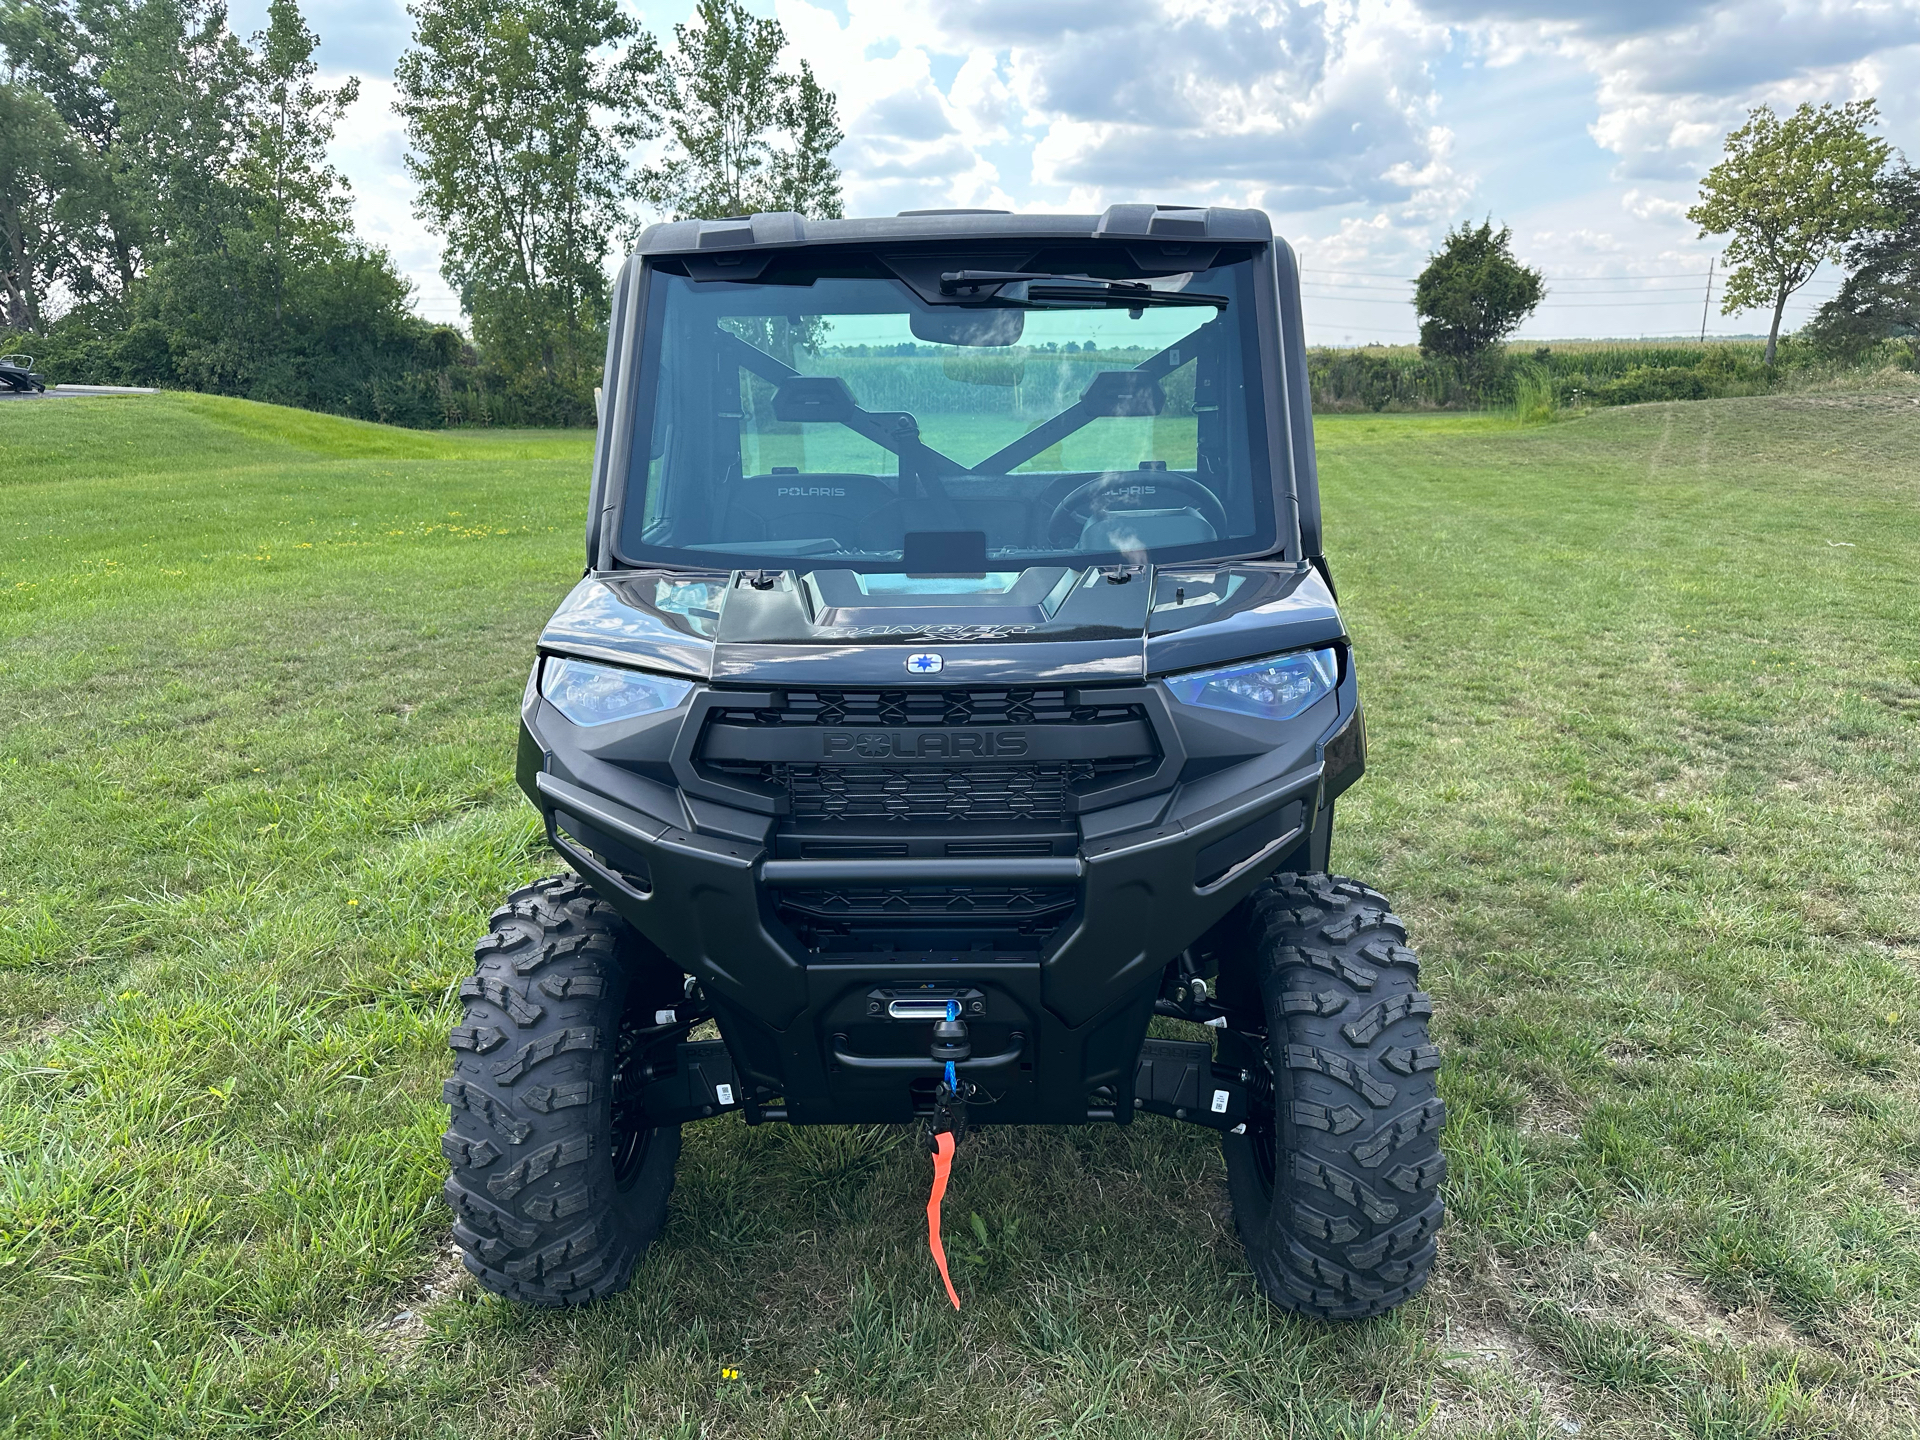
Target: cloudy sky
(1365, 127)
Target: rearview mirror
(969, 327)
(1124, 392)
(813, 397)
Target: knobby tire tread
(539, 1213)
(1340, 1216)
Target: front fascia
(1146, 890)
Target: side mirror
(1124, 392)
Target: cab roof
(1172, 225)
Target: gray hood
(1042, 624)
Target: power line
(1686, 290)
(1351, 299)
(1551, 279)
(1546, 300)
(1560, 279)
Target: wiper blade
(1038, 290)
(972, 282)
(1118, 292)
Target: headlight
(1276, 689)
(589, 694)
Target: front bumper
(1057, 1026)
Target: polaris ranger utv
(956, 683)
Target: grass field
(1644, 697)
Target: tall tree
(746, 135)
(228, 284)
(299, 201)
(1473, 293)
(519, 112)
(60, 48)
(1790, 192)
(177, 78)
(1880, 299)
(40, 167)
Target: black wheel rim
(630, 1133)
(1263, 1122)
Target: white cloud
(1642, 206)
(1670, 80)
(369, 147)
(1339, 116)
(981, 93)
(1293, 106)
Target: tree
(298, 201)
(746, 136)
(176, 79)
(169, 185)
(519, 112)
(40, 164)
(240, 248)
(1791, 193)
(1881, 298)
(1473, 292)
(77, 54)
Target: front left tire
(1335, 1184)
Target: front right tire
(558, 1182)
(1335, 1182)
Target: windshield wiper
(1037, 290)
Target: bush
(1534, 399)
(1541, 381)
(392, 368)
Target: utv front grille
(889, 916)
(768, 747)
(1027, 794)
(1015, 903)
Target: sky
(1366, 128)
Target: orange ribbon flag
(942, 1164)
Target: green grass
(1644, 698)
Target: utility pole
(1707, 303)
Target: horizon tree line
(168, 214)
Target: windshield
(849, 421)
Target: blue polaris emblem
(924, 664)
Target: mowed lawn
(1644, 702)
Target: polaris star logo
(981, 744)
(925, 663)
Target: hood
(842, 627)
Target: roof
(1166, 223)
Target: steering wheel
(1083, 502)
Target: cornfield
(1581, 372)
